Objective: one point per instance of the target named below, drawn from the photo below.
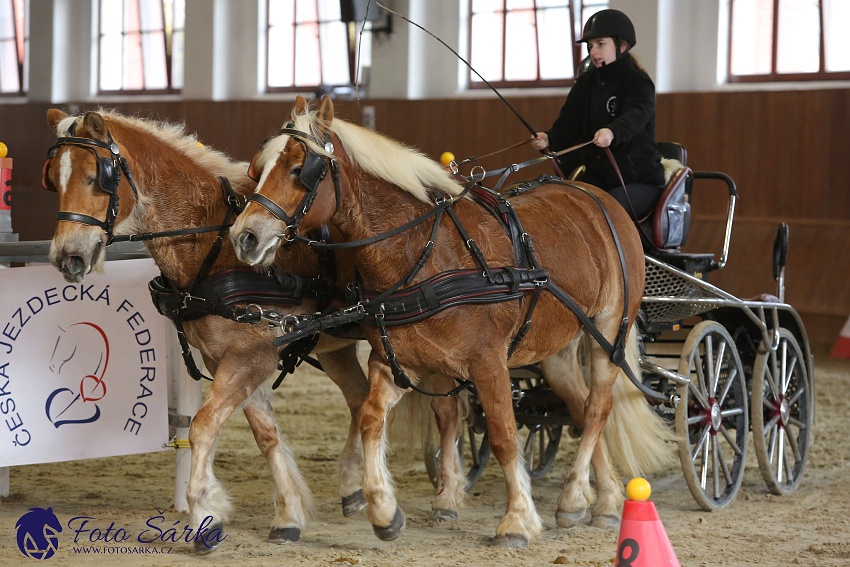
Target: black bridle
(108, 179)
(313, 171)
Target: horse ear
(54, 117)
(300, 105)
(94, 123)
(252, 168)
(326, 111)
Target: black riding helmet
(609, 23)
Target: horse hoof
(284, 535)
(443, 514)
(353, 504)
(209, 540)
(392, 531)
(606, 521)
(569, 519)
(512, 541)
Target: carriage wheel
(539, 437)
(540, 447)
(711, 418)
(781, 414)
(473, 447)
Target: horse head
(83, 168)
(294, 191)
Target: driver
(613, 103)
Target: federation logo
(80, 352)
(38, 531)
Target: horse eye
(90, 180)
(295, 172)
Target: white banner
(82, 366)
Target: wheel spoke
(781, 460)
(717, 368)
(730, 379)
(799, 393)
(716, 459)
(724, 466)
(703, 437)
(733, 443)
(704, 468)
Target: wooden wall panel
(786, 150)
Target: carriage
(739, 347)
(715, 366)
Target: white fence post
(184, 401)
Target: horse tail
(639, 441)
(412, 429)
(410, 426)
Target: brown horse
(177, 186)
(384, 186)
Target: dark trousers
(639, 198)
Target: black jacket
(619, 96)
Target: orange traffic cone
(643, 540)
(841, 348)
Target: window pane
(110, 62)
(520, 40)
(111, 17)
(752, 35)
(486, 55)
(556, 61)
(177, 54)
(305, 11)
(307, 63)
(487, 5)
(280, 57)
(179, 9)
(7, 21)
(798, 45)
(133, 79)
(9, 66)
(334, 41)
(153, 56)
(836, 14)
(330, 10)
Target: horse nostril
(247, 241)
(73, 265)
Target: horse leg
(209, 504)
(521, 523)
(452, 487)
(292, 495)
(589, 409)
(383, 512)
(343, 368)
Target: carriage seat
(665, 230)
(669, 223)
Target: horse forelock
(65, 124)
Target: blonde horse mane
(174, 135)
(385, 158)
